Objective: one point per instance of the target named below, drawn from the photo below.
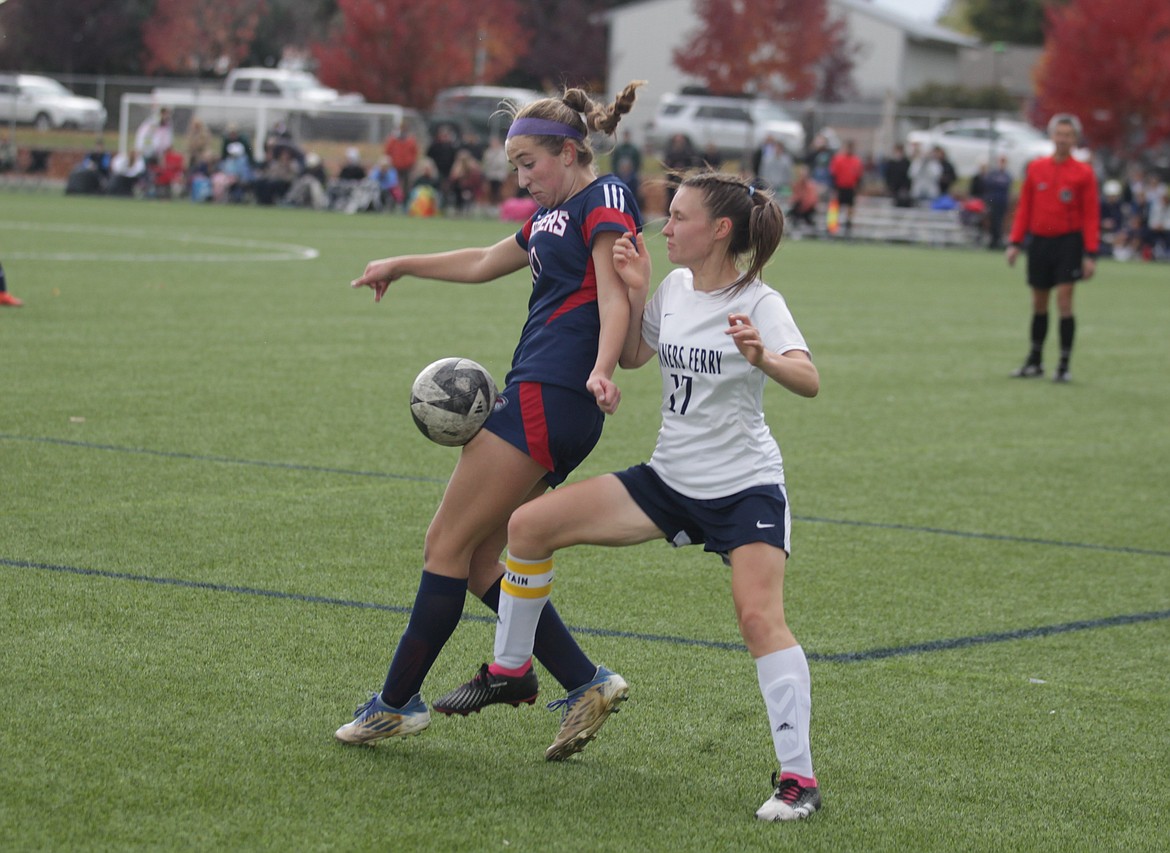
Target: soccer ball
(451, 399)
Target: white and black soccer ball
(451, 399)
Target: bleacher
(878, 219)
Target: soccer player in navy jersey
(549, 415)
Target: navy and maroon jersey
(558, 345)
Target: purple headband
(542, 127)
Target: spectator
(817, 158)
(385, 176)
(1158, 223)
(495, 170)
(168, 174)
(199, 144)
(232, 134)
(846, 170)
(155, 135)
(772, 164)
(626, 163)
(308, 190)
(679, 158)
(805, 195)
(466, 181)
(127, 172)
(946, 174)
(353, 170)
(234, 177)
(100, 159)
(7, 153)
(896, 174)
(277, 176)
(442, 153)
(402, 149)
(997, 189)
(925, 172)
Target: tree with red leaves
(1109, 63)
(776, 48)
(405, 51)
(193, 37)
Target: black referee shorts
(1055, 260)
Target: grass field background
(212, 504)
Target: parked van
(733, 125)
(481, 109)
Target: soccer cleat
(792, 801)
(1029, 371)
(488, 688)
(585, 709)
(376, 720)
(8, 299)
(1062, 375)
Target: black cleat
(487, 688)
(1029, 371)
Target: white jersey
(714, 441)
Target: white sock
(785, 684)
(524, 589)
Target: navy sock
(555, 647)
(438, 604)
(3, 283)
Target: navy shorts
(757, 514)
(555, 426)
(1055, 260)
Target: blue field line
(222, 460)
(839, 657)
(288, 466)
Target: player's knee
(527, 531)
(760, 627)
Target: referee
(1058, 208)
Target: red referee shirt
(1059, 197)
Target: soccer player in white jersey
(716, 476)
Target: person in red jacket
(1058, 207)
(846, 170)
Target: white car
(972, 141)
(733, 125)
(45, 103)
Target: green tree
(1011, 21)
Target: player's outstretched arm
(469, 266)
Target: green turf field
(212, 504)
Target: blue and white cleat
(585, 710)
(376, 720)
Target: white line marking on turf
(262, 250)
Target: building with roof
(896, 54)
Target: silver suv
(732, 125)
(45, 103)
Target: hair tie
(751, 190)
